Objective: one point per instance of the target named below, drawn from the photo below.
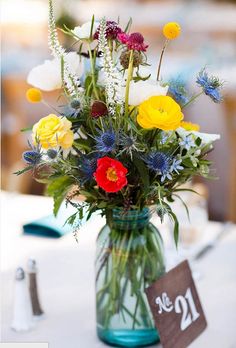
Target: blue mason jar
(129, 258)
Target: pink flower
(134, 41)
(123, 38)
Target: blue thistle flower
(72, 110)
(159, 162)
(106, 141)
(178, 92)
(32, 157)
(128, 144)
(211, 85)
(52, 153)
(87, 166)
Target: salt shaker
(22, 312)
(33, 289)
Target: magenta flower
(134, 41)
(112, 31)
(123, 38)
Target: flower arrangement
(120, 140)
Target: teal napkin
(47, 226)
(51, 226)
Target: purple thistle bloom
(32, 157)
(159, 162)
(88, 166)
(106, 142)
(52, 153)
(211, 86)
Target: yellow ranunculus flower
(52, 131)
(189, 126)
(171, 30)
(160, 112)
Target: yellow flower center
(111, 174)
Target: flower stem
(192, 99)
(129, 78)
(160, 61)
(92, 64)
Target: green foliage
(58, 189)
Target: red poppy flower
(110, 174)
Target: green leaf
(184, 204)
(143, 172)
(170, 199)
(71, 219)
(198, 141)
(88, 194)
(127, 28)
(176, 223)
(140, 78)
(91, 30)
(187, 162)
(26, 169)
(26, 129)
(82, 144)
(58, 189)
(176, 228)
(102, 205)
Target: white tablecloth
(66, 280)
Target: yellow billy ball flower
(171, 30)
(34, 95)
(159, 112)
(189, 126)
(52, 131)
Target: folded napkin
(51, 226)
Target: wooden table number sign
(176, 307)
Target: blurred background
(208, 39)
